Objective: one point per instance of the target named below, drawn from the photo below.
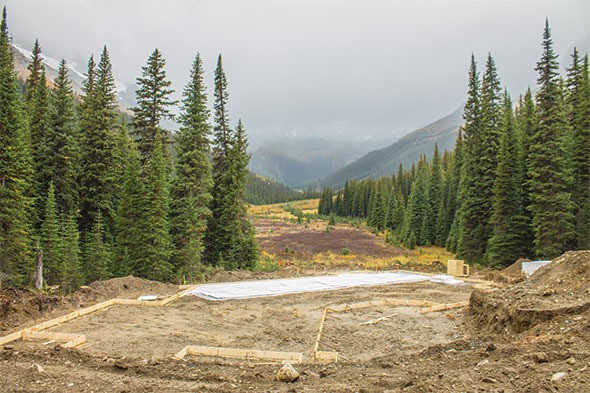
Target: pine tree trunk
(39, 274)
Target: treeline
(516, 185)
(261, 190)
(92, 197)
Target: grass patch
(266, 263)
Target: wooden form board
(326, 356)
(444, 307)
(19, 335)
(235, 353)
(72, 340)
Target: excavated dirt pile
(561, 288)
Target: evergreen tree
(69, 269)
(95, 252)
(153, 103)
(550, 201)
(191, 189)
(15, 171)
(50, 239)
(247, 249)
(417, 205)
(454, 197)
(578, 100)
(37, 105)
(156, 248)
(129, 217)
(527, 123)
(98, 121)
(472, 228)
(230, 236)
(434, 199)
(60, 145)
(36, 75)
(510, 227)
(476, 227)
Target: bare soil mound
(131, 287)
(561, 288)
(20, 307)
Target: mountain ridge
(405, 151)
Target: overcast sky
(374, 67)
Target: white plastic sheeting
(262, 288)
(446, 279)
(528, 268)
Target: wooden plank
(321, 328)
(326, 356)
(340, 308)
(12, 337)
(444, 307)
(72, 340)
(73, 315)
(374, 321)
(182, 353)
(235, 353)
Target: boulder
(287, 373)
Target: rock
(557, 377)
(121, 366)
(489, 380)
(287, 373)
(540, 357)
(571, 361)
(38, 367)
(312, 374)
(482, 363)
(491, 347)
(8, 347)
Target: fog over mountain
(361, 73)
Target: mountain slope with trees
(516, 186)
(406, 151)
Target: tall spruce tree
(435, 199)
(155, 251)
(69, 267)
(218, 235)
(510, 229)
(60, 145)
(130, 213)
(153, 105)
(550, 200)
(417, 205)
(191, 188)
(37, 106)
(485, 161)
(98, 123)
(578, 103)
(96, 253)
(454, 196)
(471, 231)
(246, 253)
(50, 239)
(15, 171)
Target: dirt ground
(518, 336)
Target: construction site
(341, 326)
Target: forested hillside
(261, 190)
(406, 151)
(517, 184)
(86, 196)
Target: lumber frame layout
(331, 356)
(73, 340)
(234, 353)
